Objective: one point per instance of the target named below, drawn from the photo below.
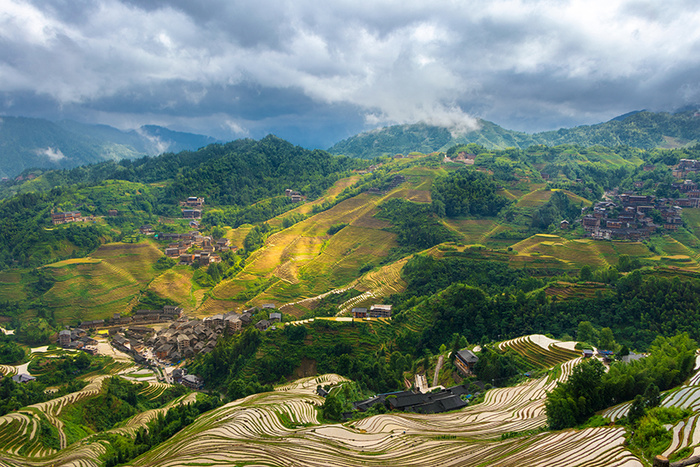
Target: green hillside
(645, 130)
(470, 256)
(30, 143)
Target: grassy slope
(108, 282)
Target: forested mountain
(486, 250)
(233, 176)
(29, 142)
(645, 130)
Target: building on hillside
(380, 311)
(112, 213)
(65, 217)
(465, 361)
(192, 213)
(23, 378)
(146, 230)
(192, 382)
(233, 323)
(591, 223)
(64, 338)
(564, 225)
(444, 400)
(222, 244)
(359, 313)
(193, 201)
(275, 317)
(187, 258)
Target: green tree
(587, 333)
(606, 340)
(586, 273)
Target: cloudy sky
(315, 73)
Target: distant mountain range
(36, 143)
(638, 129)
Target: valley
(495, 256)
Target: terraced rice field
(574, 252)
(99, 286)
(176, 284)
(305, 254)
(473, 230)
(686, 433)
(19, 431)
(540, 350)
(282, 428)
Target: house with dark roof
(453, 398)
(465, 360)
(276, 317)
(23, 378)
(380, 311)
(359, 313)
(192, 382)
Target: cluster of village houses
(77, 339)
(629, 217)
(193, 246)
(442, 400)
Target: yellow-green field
(11, 287)
(108, 282)
(304, 261)
(176, 284)
(473, 230)
(577, 252)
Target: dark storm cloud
(241, 68)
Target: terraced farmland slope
(304, 261)
(282, 428)
(686, 433)
(103, 284)
(21, 431)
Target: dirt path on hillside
(437, 370)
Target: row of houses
(375, 311)
(295, 196)
(193, 201)
(202, 257)
(205, 243)
(685, 167)
(78, 339)
(445, 400)
(167, 313)
(630, 218)
(58, 218)
(204, 254)
(462, 158)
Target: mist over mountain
(641, 129)
(37, 143)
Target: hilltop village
(619, 216)
(635, 216)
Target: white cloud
(236, 128)
(393, 61)
(54, 155)
(157, 144)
